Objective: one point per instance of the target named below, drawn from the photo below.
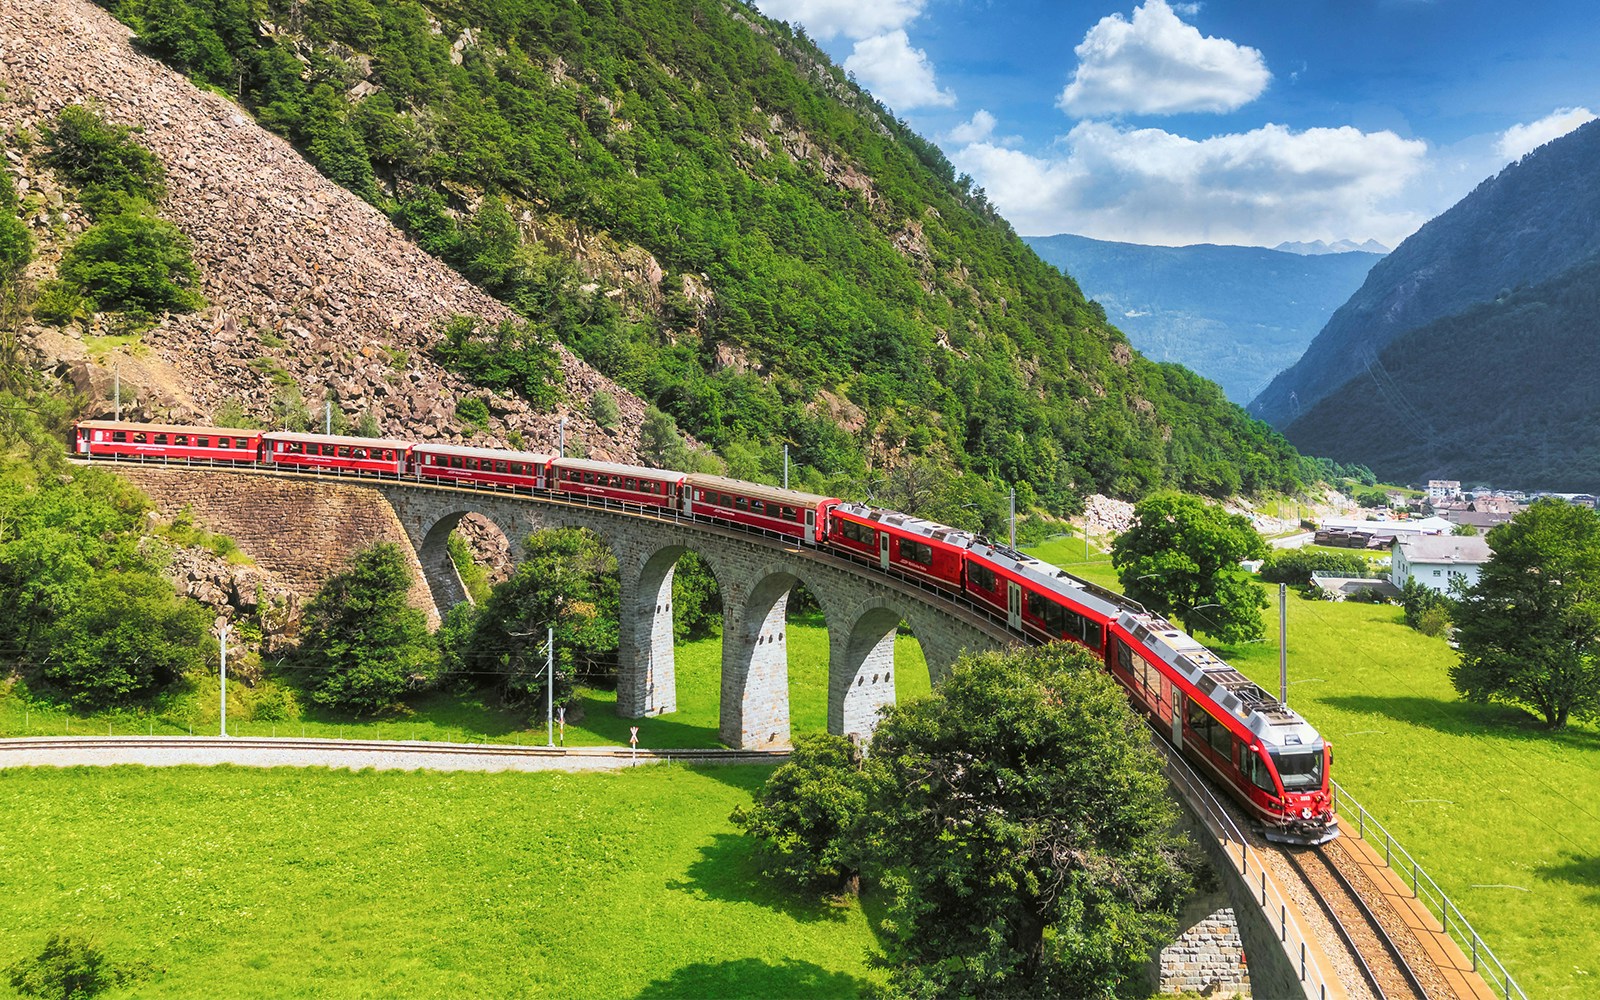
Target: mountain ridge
(1236, 315)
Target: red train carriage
(167, 442)
(923, 549)
(481, 466)
(1038, 599)
(340, 454)
(790, 512)
(1263, 753)
(628, 483)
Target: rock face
(308, 284)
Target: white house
(1444, 489)
(1436, 560)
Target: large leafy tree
(362, 644)
(1529, 629)
(808, 814)
(1180, 559)
(1021, 820)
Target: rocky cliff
(308, 285)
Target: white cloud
(1156, 64)
(977, 129)
(897, 74)
(1519, 140)
(825, 19)
(1255, 188)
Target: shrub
(1295, 566)
(134, 263)
(16, 246)
(806, 816)
(69, 968)
(1434, 621)
(1419, 599)
(103, 160)
(603, 408)
(473, 411)
(58, 304)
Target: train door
(883, 549)
(685, 493)
(811, 526)
(1177, 716)
(1014, 604)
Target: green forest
(847, 293)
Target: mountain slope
(312, 290)
(693, 198)
(1528, 224)
(1506, 393)
(1237, 315)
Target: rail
(1424, 888)
(1365, 968)
(1291, 936)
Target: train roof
(495, 453)
(794, 498)
(168, 428)
(614, 469)
(1106, 603)
(910, 525)
(1275, 724)
(354, 442)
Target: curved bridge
(755, 573)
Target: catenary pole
(1283, 643)
(223, 698)
(550, 686)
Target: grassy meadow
(245, 882)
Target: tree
(807, 815)
(134, 262)
(68, 968)
(1180, 559)
(568, 581)
(1021, 820)
(1529, 629)
(362, 645)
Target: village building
(1435, 561)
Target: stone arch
(433, 552)
(754, 710)
(647, 680)
(861, 666)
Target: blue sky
(1222, 121)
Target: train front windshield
(1299, 771)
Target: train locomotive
(1261, 752)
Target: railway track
(1380, 959)
(278, 748)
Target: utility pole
(116, 381)
(1283, 643)
(550, 686)
(561, 444)
(327, 416)
(786, 465)
(223, 700)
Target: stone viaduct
(755, 575)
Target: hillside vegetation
(1236, 315)
(1534, 220)
(695, 200)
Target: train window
(180, 439)
(723, 500)
(501, 467)
(916, 552)
(790, 514)
(1256, 771)
(758, 507)
(631, 484)
(343, 451)
(121, 437)
(1221, 739)
(1036, 605)
(981, 577)
(588, 478)
(202, 442)
(238, 442)
(138, 437)
(359, 453)
(159, 439)
(1299, 770)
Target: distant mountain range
(1317, 248)
(1470, 352)
(1237, 315)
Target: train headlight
(1305, 813)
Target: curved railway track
(1378, 957)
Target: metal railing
(1424, 888)
(1274, 907)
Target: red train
(1263, 753)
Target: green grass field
(240, 882)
